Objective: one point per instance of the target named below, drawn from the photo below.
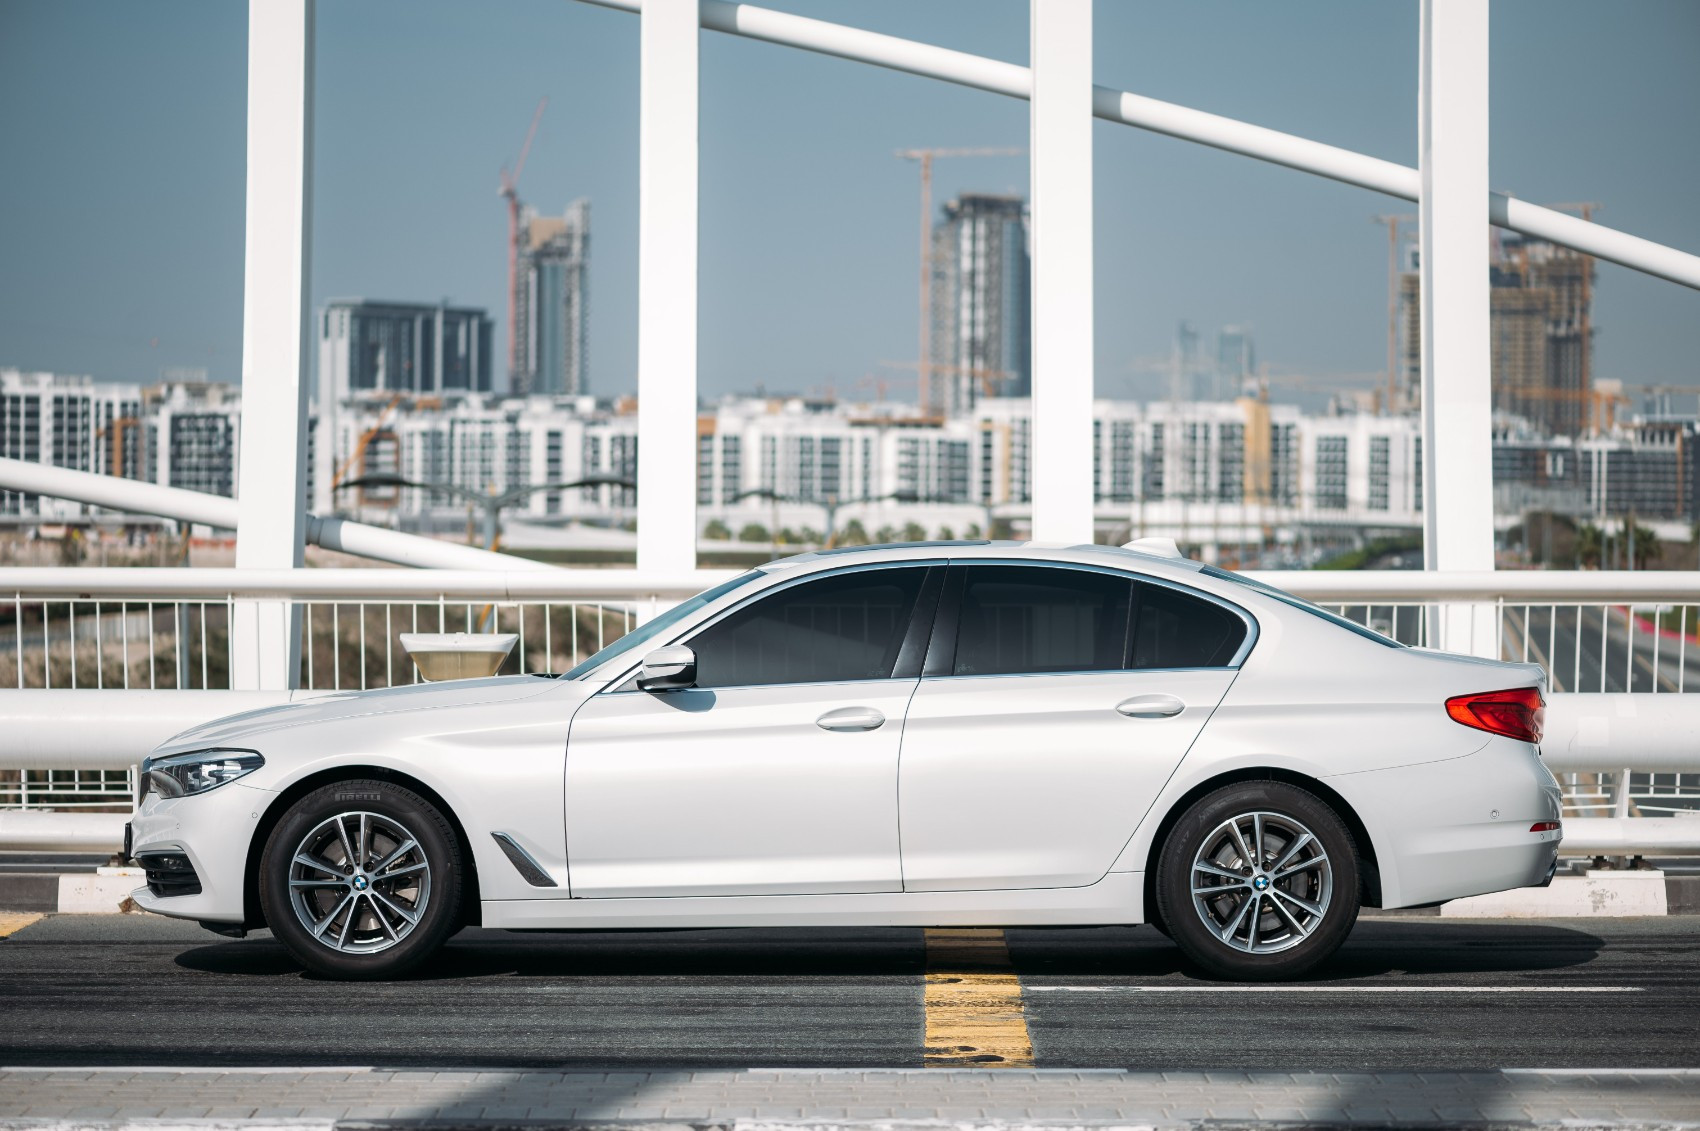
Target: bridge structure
(102, 663)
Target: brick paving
(754, 1099)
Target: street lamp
(491, 503)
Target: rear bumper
(1461, 827)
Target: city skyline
(790, 302)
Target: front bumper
(214, 831)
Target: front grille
(169, 873)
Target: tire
(375, 921)
(1304, 892)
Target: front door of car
(777, 772)
(1052, 712)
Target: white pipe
(36, 831)
(1630, 836)
(1228, 134)
(135, 497)
(555, 585)
(116, 730)
(1648, 733)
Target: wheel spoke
(348, 924)
(1257, 841)
(1217, 891)
(319, 927)
(318, 865)
(409, 917)
(1304, 904)
(406, 846)
(1239, 842)
(383, 922)
(1208, 868)
(1293, 850)
(1256, 903)
(347, 848)
(336, 883)
(1226, 934)
(1301, 866)
(402, 871)
(1281, 910)
(365, 842)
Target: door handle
(851, 718)
(1151, 707)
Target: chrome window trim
(686, 635)
(1239, 656)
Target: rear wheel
(1258, 881)
(362, 879)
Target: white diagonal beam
(1230, 134)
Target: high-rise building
(402, 347)
(1541, 330)
(554, 276)
(980, 337)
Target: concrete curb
(105, 891)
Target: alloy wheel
(1261, 882)
(359, 883)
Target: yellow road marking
(973, 1002)
(11, 922)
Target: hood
(235, 730)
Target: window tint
(1039, 619)
(1173, 630)
(846, 627)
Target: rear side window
(1175, 630)
(1016, 619)
(846, 627)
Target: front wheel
(1258, 881)
(362, 879)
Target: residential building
(551, 335)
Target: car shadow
(1376, 948)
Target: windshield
(637, 636)
(1300, 603)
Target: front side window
(1033, 619)
(846, 627)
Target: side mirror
(666, 668)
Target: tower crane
(509, 192)
(925, 157)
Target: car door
(777, 772)
(1055, 703)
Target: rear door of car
(1055, 701)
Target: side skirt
(1115, 899)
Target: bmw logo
(360, 883)
(1261, 883)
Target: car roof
(1114, 557)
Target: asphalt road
(1405, 993)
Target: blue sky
(121, 174)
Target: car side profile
(928, 734)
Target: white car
(931, 734)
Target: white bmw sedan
(940, 734)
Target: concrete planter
(458, 655)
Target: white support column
(1457, 359)
(667, 286)
(1061, 139)
(271, 520)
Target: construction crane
(1393, 224)
(925, 157)
(510, 193)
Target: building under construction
(1542, 335)
(980, 309)
(552, 301)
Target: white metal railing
(1618, 639)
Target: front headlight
(179, 775)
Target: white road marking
(1335, 989)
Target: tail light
(1518, 713)
(1545, 827)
